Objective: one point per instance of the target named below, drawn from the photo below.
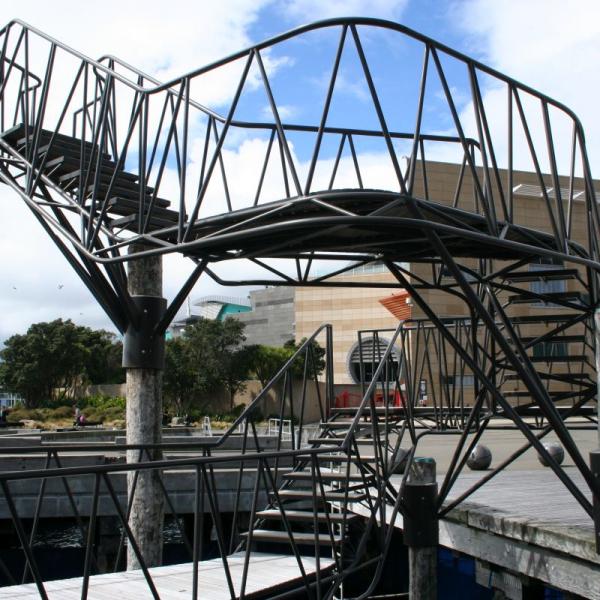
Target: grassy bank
(109, 410)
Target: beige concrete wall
(348, 310)
(270, 405)
(529, 211)
(351, 309)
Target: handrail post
(595, 466)
(597, 340)
(330, 396)
(421, 532)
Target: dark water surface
(59, 548)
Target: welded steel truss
(116, 166)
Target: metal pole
(595, 466)
(597, 335)
(143, 357)
(421, 528)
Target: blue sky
(553, 46)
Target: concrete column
(144, 409)
(421, 529)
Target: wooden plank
(174, 582)
(526, 522)
(556, 569)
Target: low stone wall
(219, 401)
(180, 483)
(103, 389)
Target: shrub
(62, 412)
(102, 402)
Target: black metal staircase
(93, 172)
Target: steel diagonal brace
(529, 376)
(575, 491)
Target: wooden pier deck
(267, 574)
(527, 523)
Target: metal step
(338, 441)
(117, 191)
(558, 359)
(542, 274)
(344, 458)
(46, 136)
(567, 339)
(533, 410)
(327, 477)
(306, 516)
(548, 359)
(64, 164)
(330, 495)
(575, 378)
(549, 298)
(120, 187)
(59, 148)
(106, 175)
(553, 318)
(555, 395)
(302, 539)
(127, 206)
(131, 222)
(347, 424)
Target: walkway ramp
(268, 574)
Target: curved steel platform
(124, 167)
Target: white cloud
(32, 271)
(166, 39)
(559, 58)
(312, 10)
(286, 112)
(163, 40)
(551, 45)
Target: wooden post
(421, 529)
(143, 357)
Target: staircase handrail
(276, 378)
(286, 126)
(346, 444)
(322, 24)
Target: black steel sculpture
(113, 166)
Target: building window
(547, 286)
(447, 274)
(371, 352)
(550, 349)
(368, 269)
(460, 380)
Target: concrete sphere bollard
(555, 450)
(480, 458)
(400, 461)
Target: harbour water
(60, 548)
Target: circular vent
(368, 354)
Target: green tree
(267, 360)
(105, 354)
(182, 383)
(316, 357)
(207, 358)
(54, 356)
